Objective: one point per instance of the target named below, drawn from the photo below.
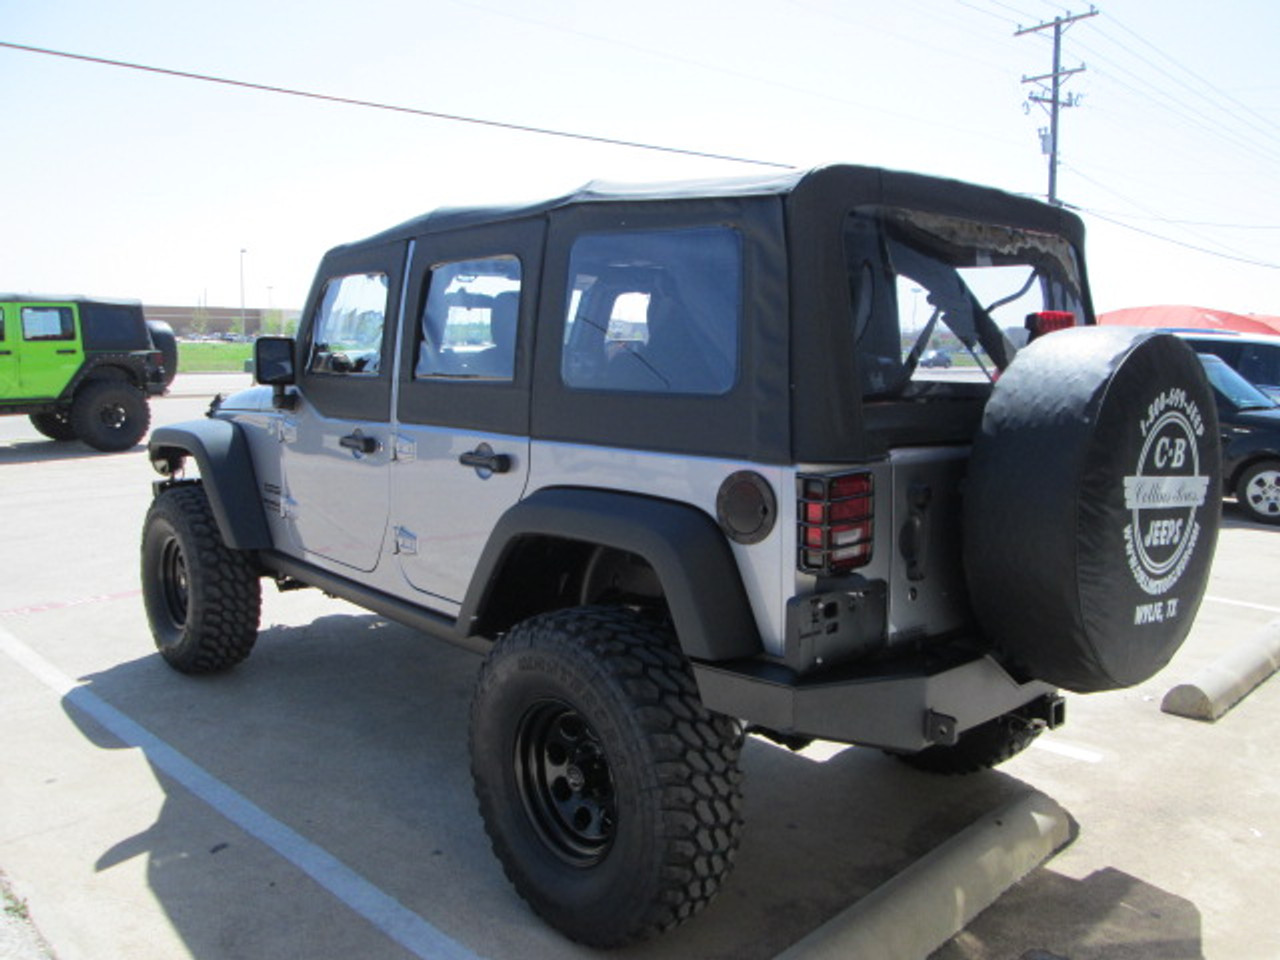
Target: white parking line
(382, 910)
(1069, 750)
(1244, 603)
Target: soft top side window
(654, 311)
(348, 330)
(470, 320)
(48, 323)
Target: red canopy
(1201, 318)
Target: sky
(123, 183)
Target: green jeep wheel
(55, 426)
(110, 415)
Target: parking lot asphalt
(316, 801)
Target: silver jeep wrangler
(668, 457)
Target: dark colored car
(1250, 424)
(1255, 357)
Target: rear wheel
(203, 599)
(55, 426)
(110, 415)
(980, 748)
(611, 795)
(1259, 491)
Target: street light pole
(243, 326)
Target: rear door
(49, 349)
(462, 437)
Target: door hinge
(404, 449)
(406, 542)
(286, 431)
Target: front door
(337, 443)
(8, 355)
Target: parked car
(665, 455)
(1256, 357)
(935, 358)
(83, 369)
(1250, 425)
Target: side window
(347, 334)
(469, 321)
(48, 323)
(654, 311)
(1260, 364)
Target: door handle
(359, 442)
(483, 458)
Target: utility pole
(1052, 83)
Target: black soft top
(75, 298)
(835, 186)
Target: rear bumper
(905, 709)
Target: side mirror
(273, 361)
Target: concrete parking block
(1225, 682)
(931, 901)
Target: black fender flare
(222, 454)
(685, 547)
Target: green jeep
(83, 369)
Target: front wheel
(203, 599)
(55, 426)
(610, 794)
(1259, 491)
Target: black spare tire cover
(1092, 506)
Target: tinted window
(1260, 363)
(347, 337)
(654, 311)
(48, 323)
(469, 321)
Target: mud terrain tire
(203, 599)
(610, 794)
(55, 426)
(110, 415)
(1092, 506)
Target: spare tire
(1092, 506)
(162, 336)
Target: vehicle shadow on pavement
(353, 733)
(1235, 518)
(48, 451)
(1106, 915)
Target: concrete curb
(931, 901)
(1229, 679)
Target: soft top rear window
(939, 304)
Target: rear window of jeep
(654, 311)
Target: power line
(1179, 243)
(393, 108)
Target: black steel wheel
(110, 415)
(610, 794)
(203, 599)
(565, 782)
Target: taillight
(836, 517)
(1047, 321)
